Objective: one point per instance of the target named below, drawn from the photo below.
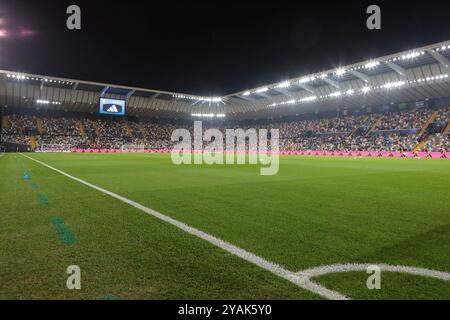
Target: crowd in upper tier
(393, 131)
(403, 120)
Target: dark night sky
(208, 48)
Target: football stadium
(90, 186)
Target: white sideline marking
(234, 250)
(302, 279)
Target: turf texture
(315, 211)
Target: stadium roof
(413, 75)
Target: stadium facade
(392, 105)
(419, 74)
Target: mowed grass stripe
(120, 251)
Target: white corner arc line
(308, 274)
(350, 267)
(230, 248)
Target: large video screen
(112, 106)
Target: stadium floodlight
(306, 79)
(371, 64)
(340, 71)
(350, 92)
(261, 90)
(394, 84)
(365, 89)
(284, 84)
(203, 99)
(247, 93)
(18, 76)
(412, 55)
(292, 101)
(39, 101)
(308, 99)
(336, 94)
(208, 115)
(323, 76)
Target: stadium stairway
(40, 126)
(33, 142)
(429, 121)
(447, 128)
(144, 135)
(81, 128)
(353, 132)
(94, 125)
(129, 132)
(422, 144)
(375, 124)
(5, 122)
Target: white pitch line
(341, 268)
(308, 274)
(234, 250)
(302, 279)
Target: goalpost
(133, 148)
(61, 147)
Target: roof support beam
(306, 87)
(332, 82)
(360, 75)
(247, 98)
(129, 94)
(234, 99)
(401, 71)
(440, 58)
(72, 93)
(283, 91)
(103, 92)
(156, 95)
(262, 95)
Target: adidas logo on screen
(112, 109)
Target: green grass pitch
(316, 211)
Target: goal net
(133, 148)
(54, 148)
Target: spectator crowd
(394, 131)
